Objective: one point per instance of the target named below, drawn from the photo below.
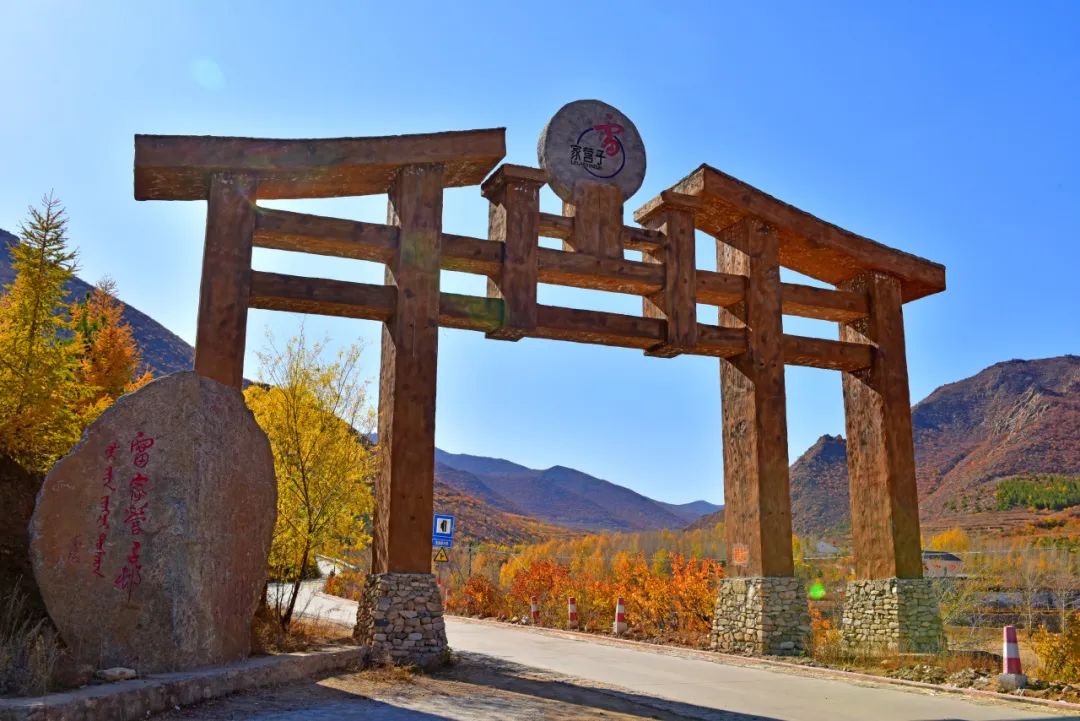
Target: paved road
(689, 687)
(701, 684)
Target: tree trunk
(286, 618)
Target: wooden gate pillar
(221, 330)
(676, 303)
(757, 504)
(881, 456)
(405, 485)
(889, 606)
(761, 607)
(514, 220)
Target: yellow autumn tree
(951, 539)
(315, 414)
(109, 366)
(38, 389)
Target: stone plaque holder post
(593, 159)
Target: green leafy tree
(38, 390)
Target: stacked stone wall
(762, 615)
(891, 615)
(400, 619)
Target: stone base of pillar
(400, 619)
(761, 615)
(892, 615)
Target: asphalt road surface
(670, 685)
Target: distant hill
(1011, 418)
(561, 495)
(163, 351)
(478, 522)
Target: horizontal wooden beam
(641, 239)
(828, 354)
(321, 296)
(807, 301)
(179, 167)
(808, 244)
(275, 291)
(303, 233)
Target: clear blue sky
(947, 129)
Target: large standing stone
(149, 540)
(591, 141)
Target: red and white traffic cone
(534, 611)
(571, 613)
(1011, 677)
(619, 627)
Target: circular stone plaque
(593, 141)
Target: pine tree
(38, 390)
(110, 357)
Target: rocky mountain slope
(1020, 416)
(1013, 417)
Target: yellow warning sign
(440, 556)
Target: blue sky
(945, 129)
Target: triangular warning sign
(440, 556)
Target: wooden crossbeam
(824, 353)
(305, 233)
(276, 291)
(178, 167)
(321, 296)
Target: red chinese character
(609, 131)
(141, 444)
(108, 482)
(137, 488)
(110, 451)
(135, 516)
(103, 519)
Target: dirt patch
(472, 688)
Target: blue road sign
(442, 531)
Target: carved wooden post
(401, 582)
(881, 472)
(677, 302)
(221, 333)
(757, 507)
(513, 219)
(404, 491)
(597, 211)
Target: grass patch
(29, 647)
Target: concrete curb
(138, 698)
(783, 666)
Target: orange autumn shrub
(477, 597)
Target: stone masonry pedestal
(400, 619)
(761, 615)
(892, 615)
